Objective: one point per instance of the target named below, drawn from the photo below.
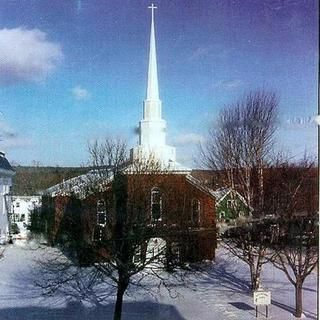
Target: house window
(195, 211)
(156, 204)
(231, 204)
(221, 215)
(101, 212)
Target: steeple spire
(152, 89)
(152, 128)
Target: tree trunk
(122, 287)
(298, 312)
(255, 277)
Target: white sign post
(261, 298)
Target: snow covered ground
(220, 292)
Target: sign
(261, 298)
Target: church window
(101, 212)
(195, 211)
(156, 204)
(98, 233)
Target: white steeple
(152, 128)
(152, 104)
(152, 89)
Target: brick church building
(174, 207)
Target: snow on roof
(82, 185)
(4, 163)
(197, 183)
(221, 193)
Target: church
(173, 205)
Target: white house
(6, 174)
(22, 207)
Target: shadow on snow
(144, 310)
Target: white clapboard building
(21, 209)
(6, 174)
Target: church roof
(4, 163)
(198, 184)
(83, 185)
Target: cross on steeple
(152, 7)
(152, 128)
(152, 88)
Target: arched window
(98, 233)
(156, 204)
(195, 211)
(101, 212)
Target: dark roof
(4, 163)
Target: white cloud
(188, 138)
(80, 93)
(213, 51)
(16, 142)
(228, 84)
(26, 55)
(301, 122)
(10, 139)
(5, 130)
(199, 53)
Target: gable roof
(221, 193)
(4, 163)
(197, 183)
(82, 185)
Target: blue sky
(75, 71)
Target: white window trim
(98, 212)
(156, 190)
(199, 210)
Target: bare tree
(107, 220)
(2, 253)
(241, 143)
(240, 147)
(295, 198)
(296, 253)
(250, 243)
